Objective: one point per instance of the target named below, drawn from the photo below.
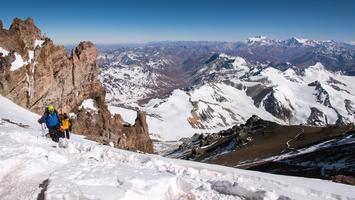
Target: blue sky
(137, 21)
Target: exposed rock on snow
(227, 90)
(317, 118)
(51, 77)
(33, 168)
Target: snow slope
(184, 113)
(228, 91)
(132, 76)
(33, 167)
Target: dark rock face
(322, 95)
(317, 118)
(52, 77)
(258, 92)
(203, 147)
(350, 107)
(272, 106)
(334, 162)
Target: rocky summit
(34, 73)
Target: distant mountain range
(301, 52)
(189, 87)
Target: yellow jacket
(65, 123)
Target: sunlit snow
(33, 167)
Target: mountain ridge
(223, 86)
(35, 73)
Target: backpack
(65, 123)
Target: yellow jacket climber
(66, 125)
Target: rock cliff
(34, 73)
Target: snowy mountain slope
(278, 80)
(199, 111)
(227, 90)
(33, 167)
(130, 83)
(137, 74)
(301, 52)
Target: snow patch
(17, 63)
(127, 114)
(38, 43)
(4, 52)
(89, 104)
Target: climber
(66, 125)
(51, 118)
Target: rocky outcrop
(350, 107)
(272, 105)
(206, 146)
(135, 136)
(321, 94)
(49, 76)
(344, 179)
(317, 118)
(104, 128)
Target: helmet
(50, 108)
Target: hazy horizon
(138, 21)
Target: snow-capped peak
(238, 61)
(300, 41)
(259, 40)
(317, 67)
(292, 42)
(329, 41)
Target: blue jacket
(50, 119)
